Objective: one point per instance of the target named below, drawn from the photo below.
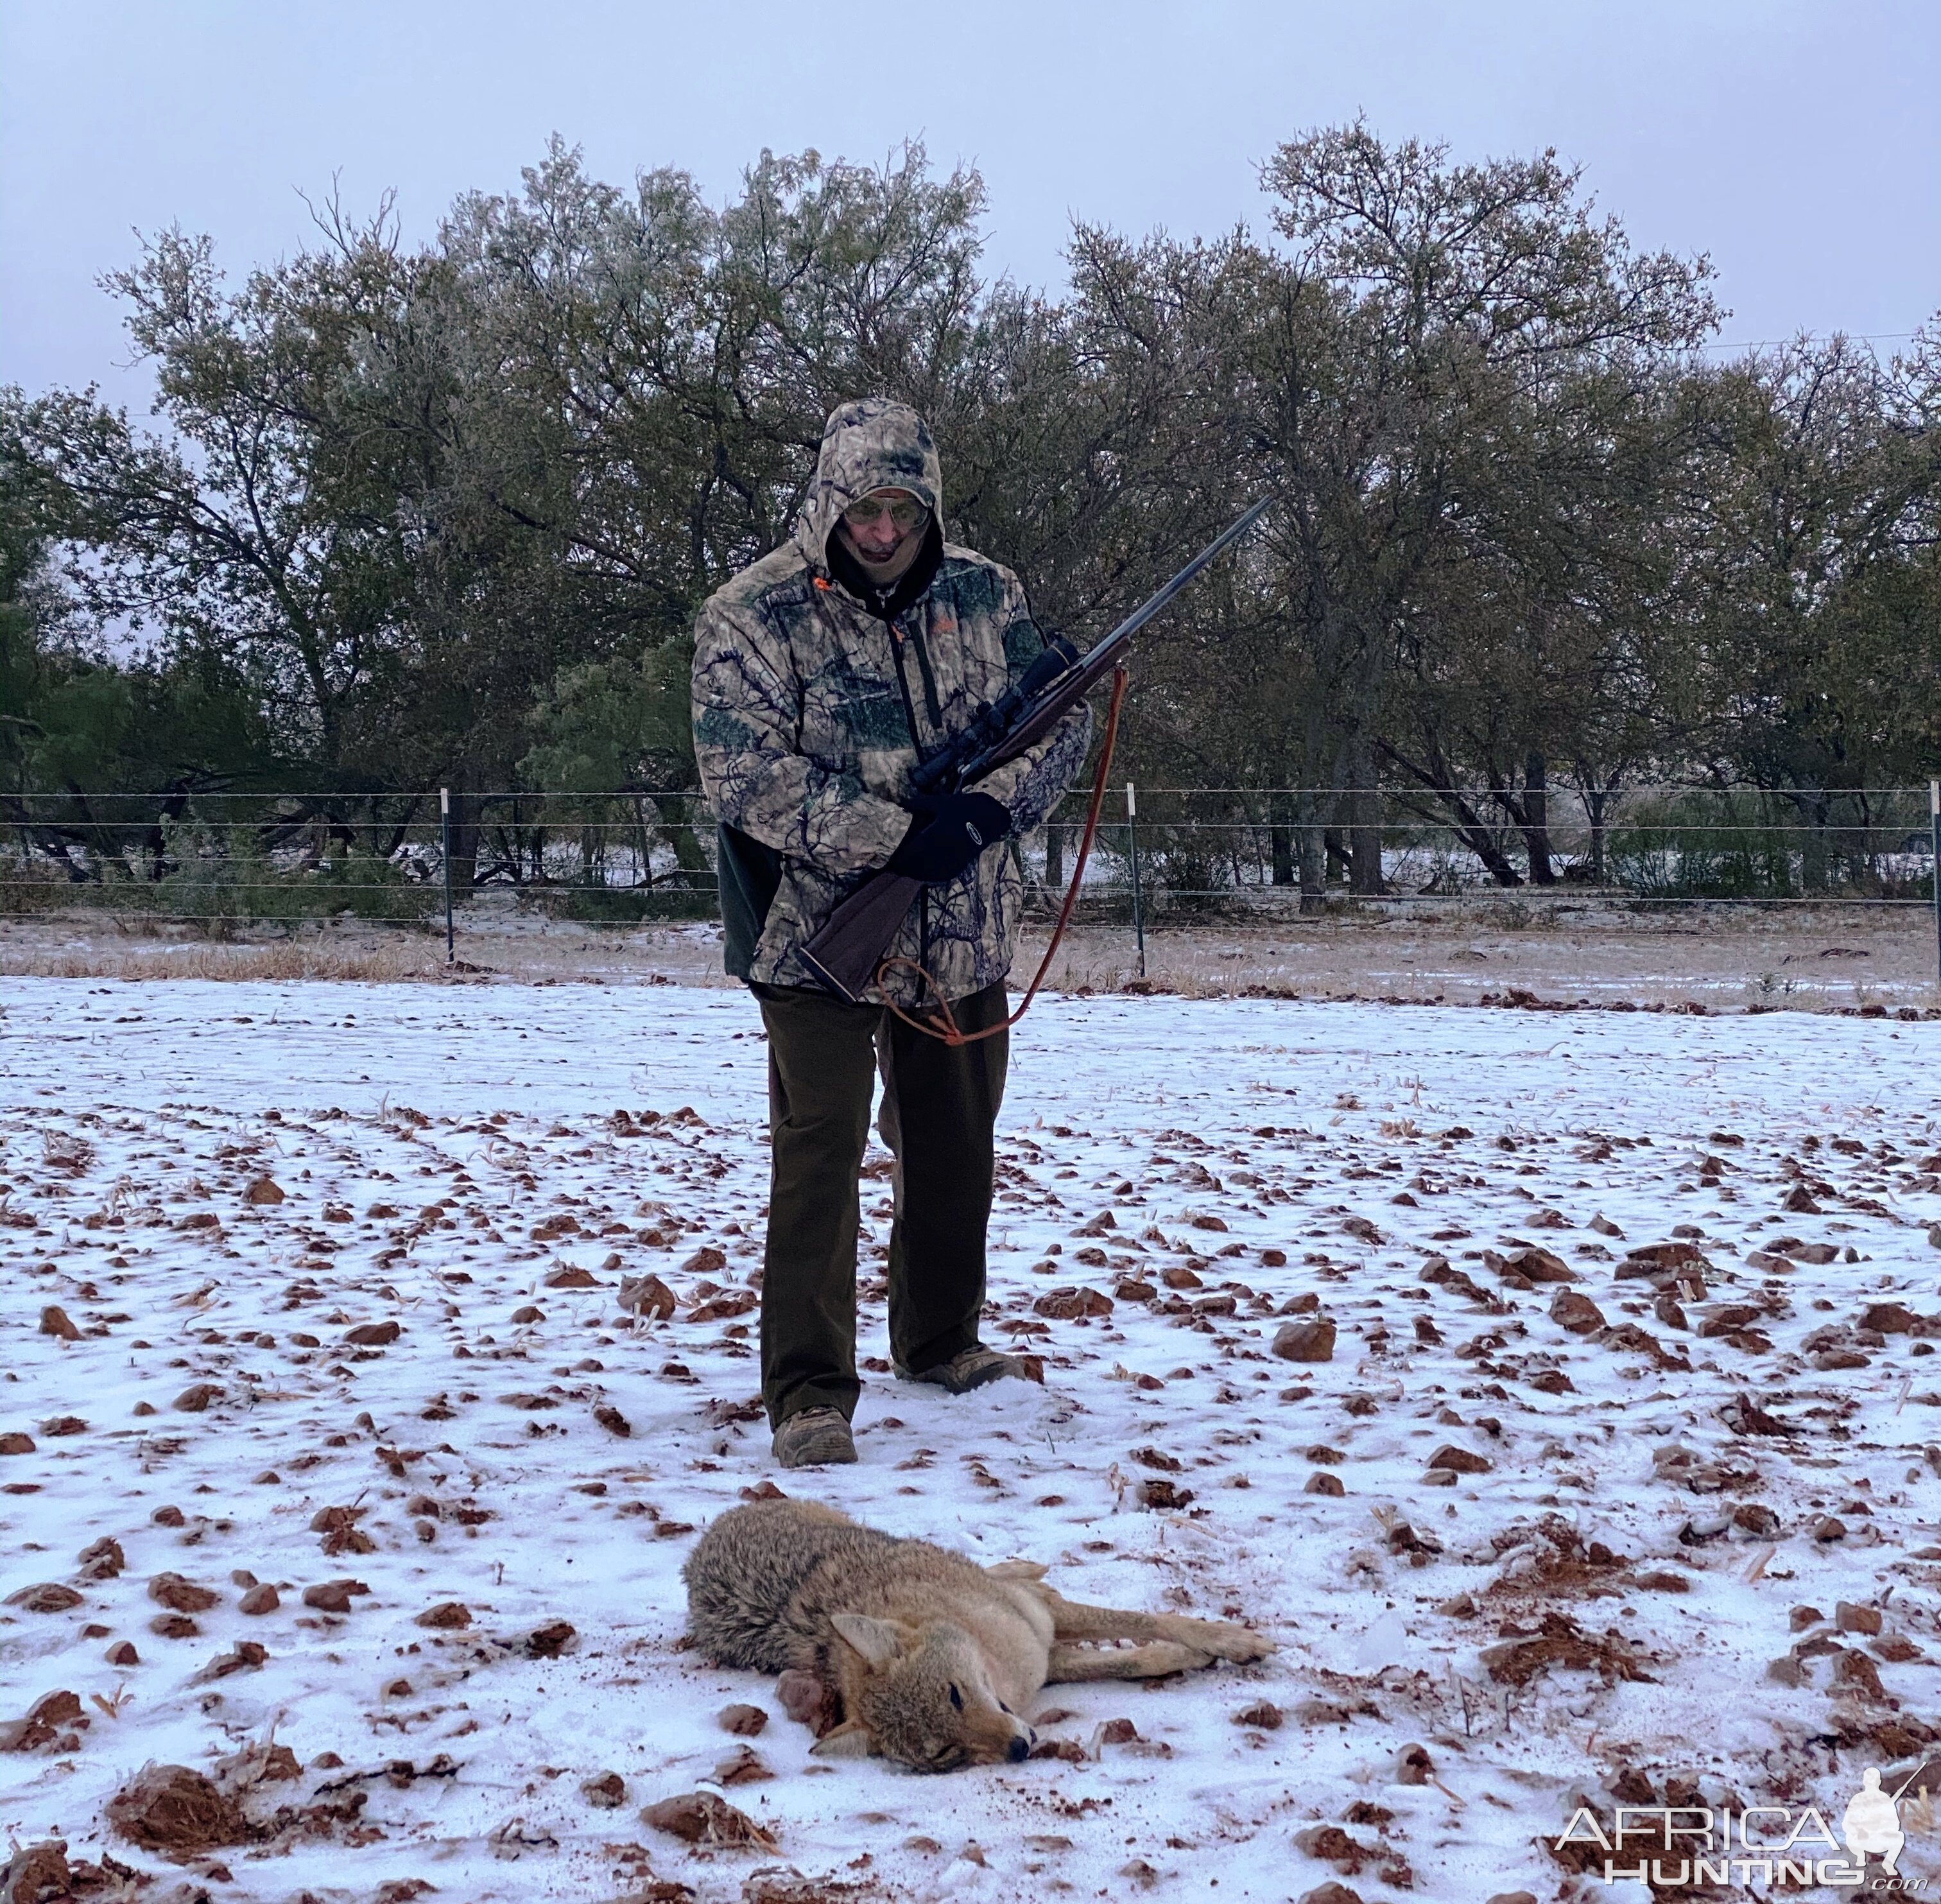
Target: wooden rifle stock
(846, 951)
(844, 954)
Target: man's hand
(948, 833)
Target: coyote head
(920, 1695)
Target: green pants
(940, 1105)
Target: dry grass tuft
(310, 959)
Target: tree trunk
(466, 809)
(1314, 807)
(1280, 847)
(173, 808)
(1595, 806)
(1365, 822)
(646, 837)
(1470, 827)
(516, 852)
(1054, 857)
(1475, 833)
(1529, 814)
(688, 856)
(1313, 856)
(1813, 806)
(401, 832)
(1536, 819)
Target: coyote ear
(850, 1740)
(877, 1641)
(1018, 1570)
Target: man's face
(876, 524)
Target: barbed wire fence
(225, 861)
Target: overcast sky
(1799, 142)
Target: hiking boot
(814, 1438)
(968, 1369)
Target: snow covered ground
(1590, 1601)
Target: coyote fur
(907, 1651)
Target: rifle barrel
(1101, 650)
(1077, 680)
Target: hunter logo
(1872, 1822)
(1659, 1844)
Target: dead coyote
(907, 1651)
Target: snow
(126, 1109)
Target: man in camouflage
(822, 675)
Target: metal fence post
(1138, 903)
(1934, 820)
(444, 831)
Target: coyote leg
(1153, 1661)
(1072, 1619)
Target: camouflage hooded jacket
(811, 710)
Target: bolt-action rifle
(845, 954)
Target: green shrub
(622, 905)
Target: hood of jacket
(870, 443)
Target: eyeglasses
(905, 514)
